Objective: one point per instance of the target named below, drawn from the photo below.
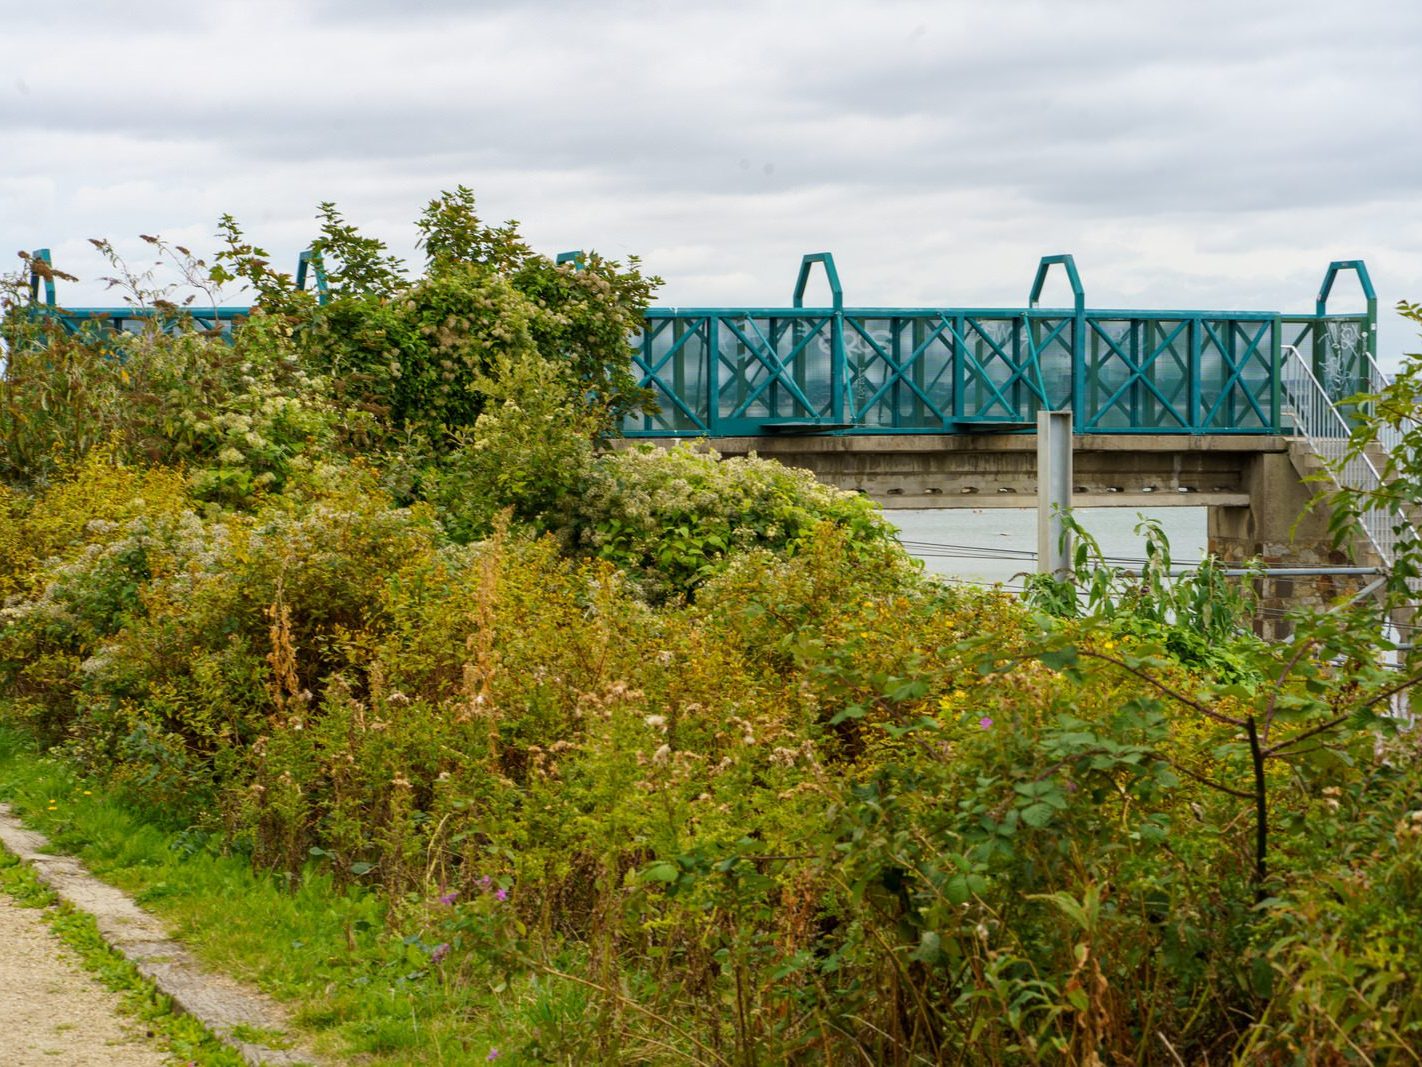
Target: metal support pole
(1054, 476)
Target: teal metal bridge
(837, 369)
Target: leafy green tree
(273, 292)
(353, 264)
(452, 233)
(418, 356)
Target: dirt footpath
(51, 1011)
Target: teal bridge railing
(721, 372)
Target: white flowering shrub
(156, 630)
(672, 517)
(269, 423)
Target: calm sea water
(987, 545)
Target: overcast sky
(1190, 154)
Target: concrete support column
(1054, 482)
(1277, 527)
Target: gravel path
(242, 1017)
(53, 1012)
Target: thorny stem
(1261, 811)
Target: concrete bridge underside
(1000, 470)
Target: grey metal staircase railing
(1319, 424)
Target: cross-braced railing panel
(776, 368)
(898, 372)
(673, 359)
(1238, 379)
(997, 374)
(1160, 373)
(1136, 374)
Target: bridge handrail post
(1276, 385)
(1078, 328)
(1193, 406)
(312, 258)
(838, 369)
(1370, 296)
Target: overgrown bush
(380, 364)
(530, 451)
(866, 812)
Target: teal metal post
(311, 258)
(1192, 360)
(838, 368)
(1078, 328)
(960, 377)
(1276, 385)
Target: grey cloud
(1185, 149)
(1090, 112)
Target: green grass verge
(361, 990)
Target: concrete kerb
(224, 1006)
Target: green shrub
(1332, 952)
(529, 451)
